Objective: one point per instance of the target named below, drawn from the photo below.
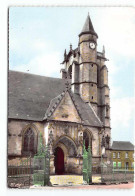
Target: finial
(65, 54)
(70, 47)
(103, 51)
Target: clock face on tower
(92, 45)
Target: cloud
(27, 47)
(112, 67)
(119, 28)
(122, 112)
(44, 64)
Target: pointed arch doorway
(59, 161)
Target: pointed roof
(85, 110)
(34, 97)
(88, 27)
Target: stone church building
(67, 110)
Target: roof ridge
(71, 95)
(95, 113)
(57, 102)
(33, 74)
(82, 111)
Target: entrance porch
(64, 158)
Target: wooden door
(59, 161)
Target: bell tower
(88, 65)
(86, 69)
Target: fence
(106, 173)
(111, 175)
(31, 171)
(20, 174)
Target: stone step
(71, 180)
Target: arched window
(87, 140)
(29, 141)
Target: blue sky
(38, 37)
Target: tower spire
(88, 27)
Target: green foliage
(40, 146)
(87, 165)
(41, 174)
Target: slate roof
(30, 95)
(85, 111)
(122, 145)
(88, 27)
(34, 97)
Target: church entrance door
(59, 161)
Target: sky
(38, 37)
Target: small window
(114, 164)
(119, 164)
(114, 155)
(91, 84)
(118, 155)
(132, 164)
(126, 155)
(92, 97)
(92, 65)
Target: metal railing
(19, 175)
(116, 175)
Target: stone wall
(66, 111)
(123, 158)
(67, 136)
(15, 134)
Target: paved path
(76, 182)
(87, 187)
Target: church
(67, 111)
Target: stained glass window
(29, 140)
